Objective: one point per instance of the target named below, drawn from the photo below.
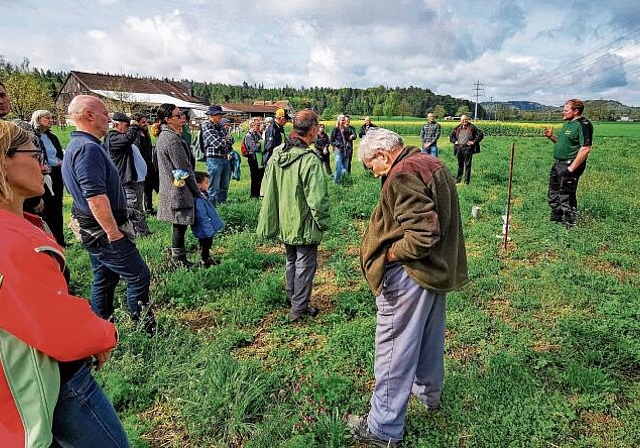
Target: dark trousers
(348, 155)
(465, 156)
(52, 213)
(148, 196)
(150, 184)
(205, 248)
(177, 235)
(257, 173)
(326, 161)
(563, 186)
(300, 269)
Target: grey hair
(36, 116)
(340, 117)
(378, 139)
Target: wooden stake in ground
(506, 224)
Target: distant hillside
(528, 105)
(595, 109)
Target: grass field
(542, 350)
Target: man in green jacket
(296, 208)
(411, 255)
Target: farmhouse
(127, 93)
(130, 94)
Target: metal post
(506, 225)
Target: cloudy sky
(544, 51)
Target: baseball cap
(282, 113)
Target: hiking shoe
(208, 262)
(310, 311)
(360, 433)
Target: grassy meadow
(542, 348)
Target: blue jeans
(431, 150)
(84, 417)
(340, 167)
(219, 170)
(410, 332)
(110, 261)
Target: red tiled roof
(97, 81)
(251, 108)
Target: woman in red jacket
(47, 337)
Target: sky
(545, 51)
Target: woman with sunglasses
(178, 187)
(47, 337)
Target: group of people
(411, 255)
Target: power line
(478, 87)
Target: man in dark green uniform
(570, 151)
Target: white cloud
(513, 49)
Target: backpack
(197, 148)
(243, 147)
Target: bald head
(90, 115)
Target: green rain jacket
(296, 198)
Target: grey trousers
(135, 197)
(300, 270)
(409, 351)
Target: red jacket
(40, 324)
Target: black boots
(179, 258)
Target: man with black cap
(274, 135)
(131, 166)
(216, 143)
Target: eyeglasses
(176, 116)
(38, 154)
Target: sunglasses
(38, 154)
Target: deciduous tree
(28, 93)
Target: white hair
(378, 139)
(37, 115)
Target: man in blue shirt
(100, 208)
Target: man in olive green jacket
(411, 255)
(296, 208)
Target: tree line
(380, 101)
(33, 88)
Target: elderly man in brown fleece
(411, 255)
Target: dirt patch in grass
(501, 309)
(600, 425)
(198, 320)
(278, 249)
(533, 259)
(168, 431)
(261, 345)
(475, 250)
(599, 265)
(542, 345)
(551, 312)
(463, 354)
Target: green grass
(542, 349)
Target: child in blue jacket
(207, 222)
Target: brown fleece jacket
(419, 216)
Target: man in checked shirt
(216, 143)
